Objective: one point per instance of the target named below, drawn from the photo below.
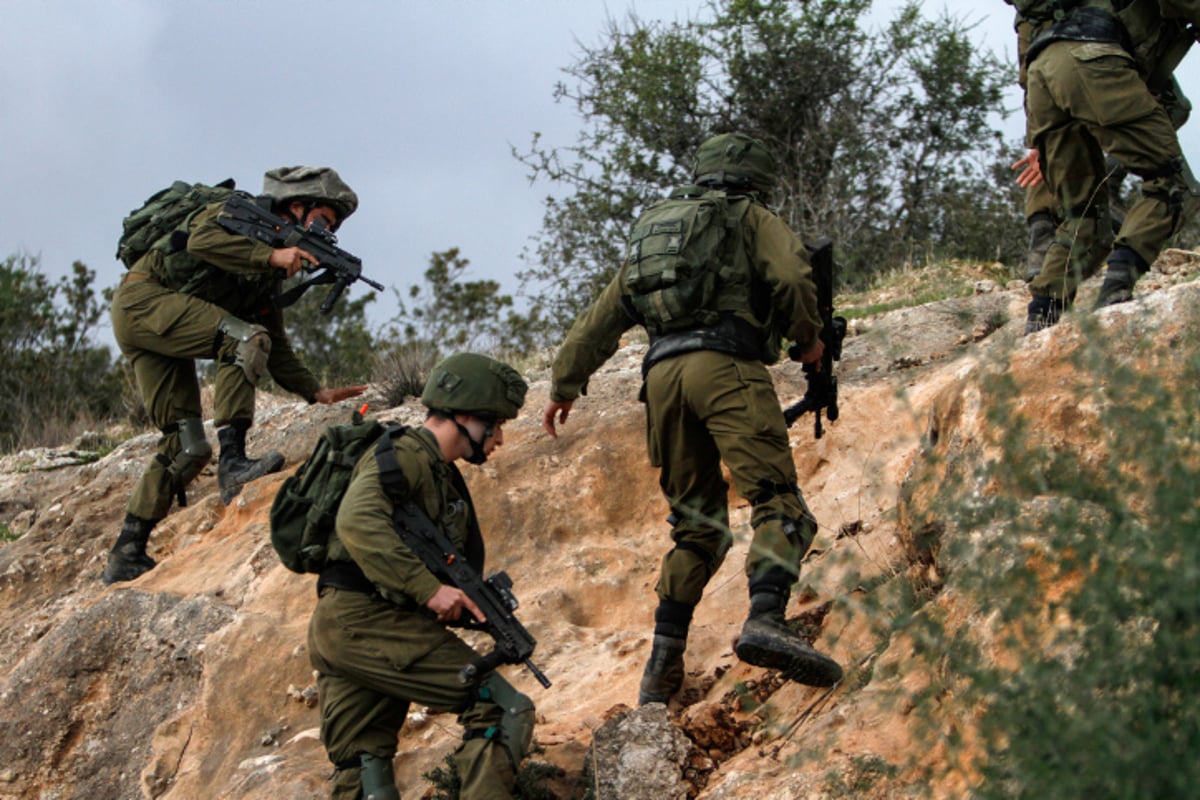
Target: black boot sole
(807, 667)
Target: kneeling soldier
(379, 638)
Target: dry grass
(905, 288)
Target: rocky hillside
(193, 681)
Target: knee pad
(516, 724)
(377, 777)
(245, 345)
(194, 452)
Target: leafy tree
(450, 313)
(883, 139)
(52, 377)
(337, 346)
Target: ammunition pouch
(246, 345)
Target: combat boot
(1042, 313)
(767, 641)
(128, 559)
(1119, 278)
(1041, 236)
(234, 469)
(663, 676)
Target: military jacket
(365, 532)
(780, 267)
(245, 285)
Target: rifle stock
(513, 642)
(821, 394)
(245, 215)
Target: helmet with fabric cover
(317, 185)
(735, 160)
(475, 384)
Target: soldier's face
(479, 430)
(326, 214)
(323, 213)
(496, 439)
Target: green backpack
(683, 266)
(162, 224)
(303, 513)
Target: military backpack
(684, 264)
(305, 508)
(162, 224)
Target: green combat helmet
(474, 384)
(734, 160)
(481, 387)
(314, 185)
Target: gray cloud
(415, 103)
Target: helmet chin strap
(478, 455)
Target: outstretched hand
(1030, 170)
(331, 396)
(555, 409)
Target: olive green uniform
(705, 406)
(161, 331)
(377, 649)
(1086, 97)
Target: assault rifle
(247, 216)
(822, 392)
(494, 596)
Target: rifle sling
(410, 520)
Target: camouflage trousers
(161, 332)
(702, 409)
(373, 659)
(1085, 99)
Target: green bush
(54, 381)
(1076, 543)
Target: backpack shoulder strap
(391, 477)
(474, 548)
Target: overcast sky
(416, 103)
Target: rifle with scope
(821, 395)
(251, 217)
